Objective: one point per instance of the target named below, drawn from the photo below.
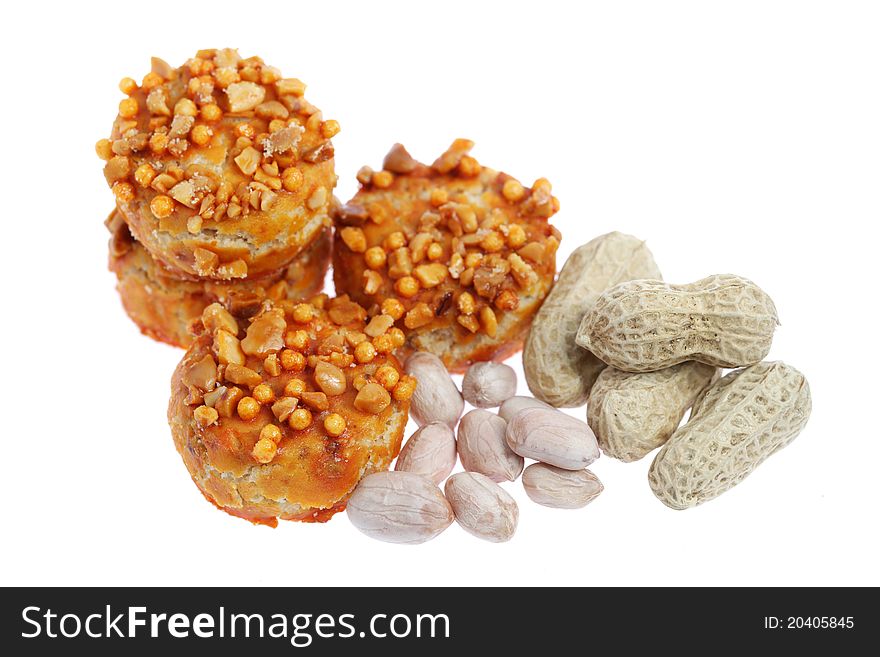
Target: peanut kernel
(354, 239)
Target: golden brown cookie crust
(164, 307)
(461, 256)
(282, 419)
(221, 167)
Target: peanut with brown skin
(746, 416)
(644, 326)
(557, 370)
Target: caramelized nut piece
(203, 374)
(284, 407)
(242, 375)
(399, 263)
(228, 402)
(214, 396)
(329, 378)
(248, 161)
(399, 160)
(431, 275)
(315, 400)
(379, 325)
(265, 334)
(488, 321)
(372, 282)
(244, 96)
(354, 239)
(228, 348)
(216, 317)
(372, 398)
(420, 315)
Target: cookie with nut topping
(280, 416)
(222, 169)
(456, 255)
(164, 306)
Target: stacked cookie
(223, 176)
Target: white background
(738, 137)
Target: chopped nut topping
(228, 348)
(420, 315)
(315, 400)
(202, 374)
(431, 275)
(284, 407)
(379, 325)
(372, 282)
(399, 263)
(244, 96)
(488, 321)
(330, 378)
(242, 375)
(354, 239)
(372, 398)
(265, 335)
(399, 160)
(227, 404)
